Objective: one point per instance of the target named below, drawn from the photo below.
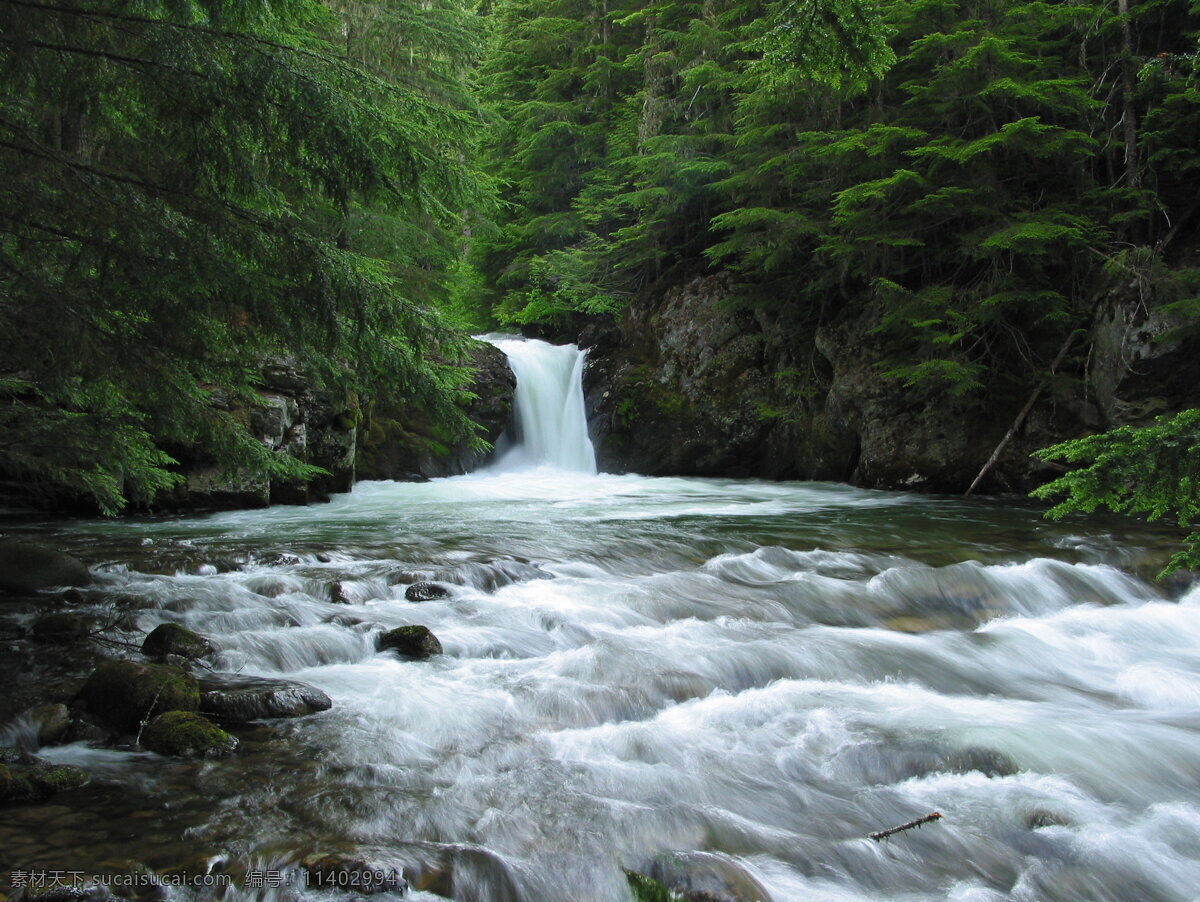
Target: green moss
(186, 735)
(647, 889)
(60, 778)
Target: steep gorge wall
(687, 384)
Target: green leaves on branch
(1153, 472)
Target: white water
(759, 673)
(551, 427)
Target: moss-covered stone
(186, 735)
(124, 693)
(411, 641)
(37, 779)
(51, 720)
(647, 889)
(173, 639)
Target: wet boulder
(126, 693)
(356, 874)
(63, 626)
(28, 778)
(173, 639)
(243, 699)
(426, 592)
(50, 721)
(28, 568)
(707, 876)
(183, 734)
(411, 642)
(65, 892)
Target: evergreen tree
(181, 181)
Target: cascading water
(550, 426)
(729, 683)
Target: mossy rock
(173, 639)
(647, 889)
(124, 693)
(183, 734)
(411, 642)
(38, 780)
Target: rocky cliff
(688, 383)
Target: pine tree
(180, 178)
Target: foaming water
(750, 676)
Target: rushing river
(761, 672)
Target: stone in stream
(426, 592)
(244, 699)
(184, 734)
(63, 626)
(173, 639)
(28, 778)
(50, 720)
(28, 568)
(707, 877)
(411, 641)
(125, 693)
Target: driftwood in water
(927, 819)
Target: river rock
(83, 892)
(355, 874)
(244, 699)
(426, 592)
(25, 568)
(411, 641)
(124, 693)
(63, 626)
(28, 778)
(183, 734)
(50, 720)
(707, 877)
(173, 639)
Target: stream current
(763, 673)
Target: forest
(194, 187)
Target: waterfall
(549, 427)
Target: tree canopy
(186, 189)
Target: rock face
(688, 385)
(243, 699)
(316, 427)
(411, 642)
(124, 693)
(399, 441)
(28, 568)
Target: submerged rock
(31, 568)
(27, 778)
(124, 693)
(187, 735)
(426, 592)
(353, 874)
(173, 639)
(241, 700)
(411, 641)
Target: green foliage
(194, 187)
(647, 889)
(1153, 472)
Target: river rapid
(752, 675)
